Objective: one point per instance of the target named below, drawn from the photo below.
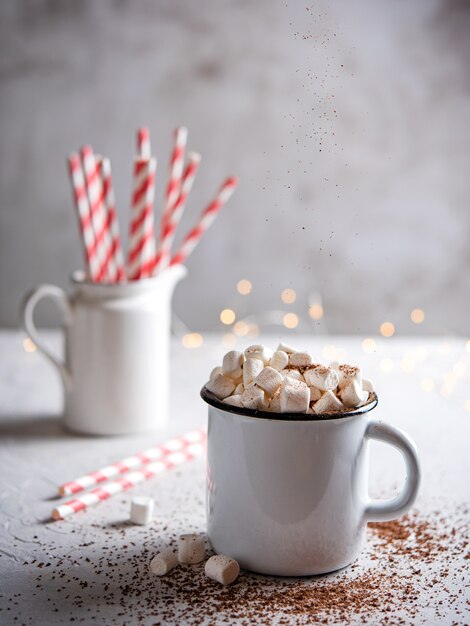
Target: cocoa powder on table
(411, 570)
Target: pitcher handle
(30, 301)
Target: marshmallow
(315, 394)
(368, 385)
(321, 377)
(251, 369)
(275, 404)
(222, 569)
(141, 510)
(269, 380)
(283, 347)
(279, 360)
(235, 400)
(232, 364)
(253, 398)
(348, 374)
(334, 365)
(292, 374)
(239, 389)
(215, 372)
(163, 562)
(258, 352)
(191, 549)
(294, 396)
(220, 386)
(300, 359)
(328, 403)
(352, 395)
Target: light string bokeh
(443, 370)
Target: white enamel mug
(288, 496)
(115, 370)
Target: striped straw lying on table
(150, 462)
(148, 253)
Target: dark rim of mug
(209, 397)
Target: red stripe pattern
(169, 230)
(142, 246)
(180, 444)
(168, 462)
(191, 240)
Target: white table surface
(93, 567)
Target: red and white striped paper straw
(156, 453)
(98, 216)
(110, 204)
(142, 246)
(164, 250)
(84, 215)
(207, 217)
(128, 481)
(176, 171)
(143, 143)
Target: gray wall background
(348, 124)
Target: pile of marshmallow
(191, 549)
(287, 381)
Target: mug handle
(30, 301)
(386, 510)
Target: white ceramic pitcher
(115, 370)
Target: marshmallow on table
(283, 347)
(141, 510)
(163, 562)
(348, 374)
(269, 380)
(232, 365)
(220, 386)
(294, 396)
(191, 549)
(251, 368)
(300, 359)
(253, 398)
(321, 377)
(260, 352)
(235, 400)
(279, 360)
(328, 403)
(352, 395)
(222, 569)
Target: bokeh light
(288, 296)
(244, 287)
(315, 311)
(241, 328)
(227, 316)
(387, 329)
(192, 340)
(427, 384)
(229, 340)
(417, 316)
(29, 345)
(290, 320)
(369, 345)
(387, 365)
